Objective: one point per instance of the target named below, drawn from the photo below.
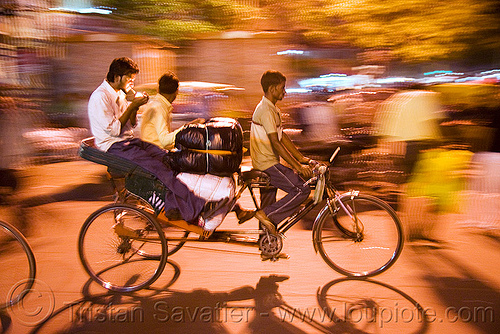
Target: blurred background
(408, 89)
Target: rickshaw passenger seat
(117, 167)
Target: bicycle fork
(350, 210)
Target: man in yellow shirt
(156, 126)
(157, 114)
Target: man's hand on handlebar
(318, 169)
(313, 163)
(306, 172)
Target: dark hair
(271, 78)
(120, 67)
(168, 83)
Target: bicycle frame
(323, 187)
(241, 236)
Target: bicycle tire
(119, 263)
(371, 252)
(170, 231)
(16, 253)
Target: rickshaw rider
(268, 143)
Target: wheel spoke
(332, 239)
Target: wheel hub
(270, 244)
(359, 237)
(124, 246)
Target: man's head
(168, 85)
(273, 85)
(122, 72)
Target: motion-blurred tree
(413, 30)
(178, 20)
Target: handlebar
(319, 168)
(334, 154)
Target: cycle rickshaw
(124, 246)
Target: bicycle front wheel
(115, 244)
(18, 266)
(364, 237)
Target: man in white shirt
(112, 119)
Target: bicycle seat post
(118, 184)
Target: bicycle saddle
(255, 176)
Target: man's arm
(281, 149)
(290, 146)
(166, 137)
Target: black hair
(168, 83)
(271, 78)
(120, 67)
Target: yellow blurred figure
(408, 122)
(440, 175)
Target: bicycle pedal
(283, 256)
(205, 234)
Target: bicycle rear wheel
(17, 275)
(367, 248)
(115, 247)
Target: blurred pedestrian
(409, 126)
(11, 156)
(10, 141)
(482, 198)
(408, 121)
